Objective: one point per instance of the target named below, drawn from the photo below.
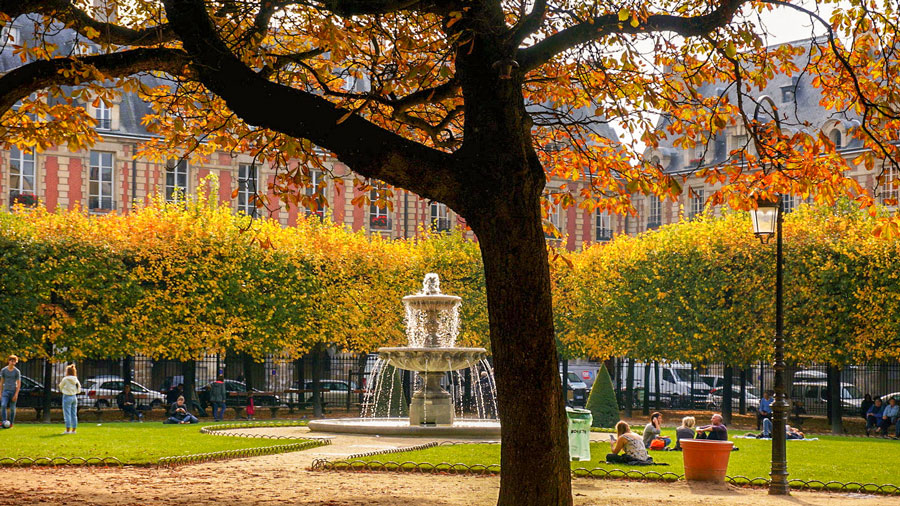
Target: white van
(675, 384)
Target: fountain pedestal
(431, 405)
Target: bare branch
(22, 81)
(530, 23)
(81, 22)
(608, 24)
(367, 148)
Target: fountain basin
(465, 427)
(426, 359)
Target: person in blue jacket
(889, 416)
(873, 416)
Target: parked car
(31, 395)
(334, 392)
(101, 391)
(576, 395)
(714, 399)
(813, 394)
(237, 395)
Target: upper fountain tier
(432, 318)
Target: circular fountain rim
(462, 427)
(435, 297)
(430, 349)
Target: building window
(21, 177)
(696, 201)
(835, 137)
(654, 216)
(315, 191)
(789, 203)
(100, 181)
(10, 36)
(440, 217)
(889, 189)
(379, 214)
(603, 225)
(102, 113)
(176, 179)
(248, 178)
(787, 94)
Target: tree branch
(22, 81)
(367, 148)
(608, 24)
(530, 23)
(80, 21)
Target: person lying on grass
(630, 444)
(179, 413)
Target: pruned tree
(459, 102)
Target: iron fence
(281, 382)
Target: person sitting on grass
(889, 416)
(179, 413)
(630, 444)
(873, 416)
(715, 431)
(686, 431)
(652, 433)
(125, 401)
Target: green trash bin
(579, 433)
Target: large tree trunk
(534, 455)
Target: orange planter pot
(706, 460)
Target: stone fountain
(431, 332)
(432, 325)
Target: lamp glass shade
(764, 218)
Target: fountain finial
(431, 285)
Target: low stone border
(218, 430)
(418, 447)
(354, 464)
(60, 461)
(199, 458)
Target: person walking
(70, 387)
(217, 396)
(10, 383)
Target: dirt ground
(286, 479)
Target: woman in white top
(70, 387)
(630, 444)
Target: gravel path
(285, 479)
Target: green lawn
(831, 458)
(131, 443)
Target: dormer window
(10, 35)
(836, 138)
(103, 115)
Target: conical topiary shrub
(602, 401)
(389, 400)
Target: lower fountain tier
(431, 359)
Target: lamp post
(766, 220)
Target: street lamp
(766, 220)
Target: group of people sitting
(629, 448)
(880, 417)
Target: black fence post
(45, 394)
(565, 381)
(629, 389)
(742, 402)
(645, 404)
(727, 388)
(656, 389)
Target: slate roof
(802, 112)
